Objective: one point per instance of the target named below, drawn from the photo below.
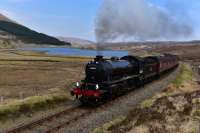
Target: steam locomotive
(108, 78)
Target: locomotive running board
(126, 78)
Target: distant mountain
(4, 18)
(13, 30)
(77, 41)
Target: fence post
(21, 95)
(36, 91)
(2, 99)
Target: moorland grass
(107, 126)
(30, 105)
(147, 103)
(185, 74)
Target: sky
(70, 18)
(76, 18)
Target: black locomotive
(107, 78)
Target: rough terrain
(169, 114)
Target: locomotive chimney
(98, 58)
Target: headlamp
(97, 86)
(77, 84)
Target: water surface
(79, 52)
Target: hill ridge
(26, 34)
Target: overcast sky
(76, 18)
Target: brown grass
(21, 79)
(34, 81)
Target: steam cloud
(138, 20)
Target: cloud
(143, 20)
(8, 14)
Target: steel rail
(39, 121)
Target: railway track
(57, 121)
(53, 122)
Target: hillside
(12, 30)
(73, 40)
(78, 42)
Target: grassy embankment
(32, 104)
(184, 76)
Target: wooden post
(21, 95)
(2, 99)
(36, 91)
(199, 69)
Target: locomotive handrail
(115, 81)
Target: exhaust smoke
(138, 20)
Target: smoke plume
(138, 20)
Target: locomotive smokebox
(99, 58)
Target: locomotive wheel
(83, 101)
(131, 82)
(140, 81)
(91, 102)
